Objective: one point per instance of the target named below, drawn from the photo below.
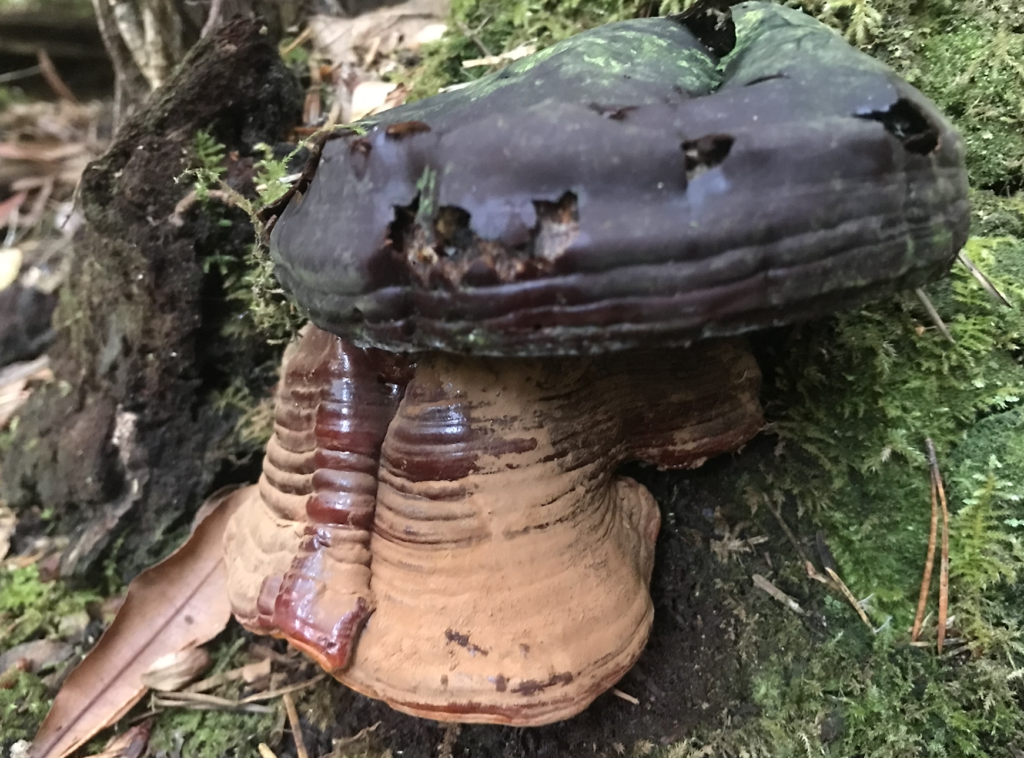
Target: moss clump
(857, 396)
(23, 705)
(862, 694)
(966, 56)
(852, 401)
(209, 734)
(30, 608)
(478, 28)
(975, 73)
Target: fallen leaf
(173, 671)
(370, 97)
(8, 523)
(10, 258)
(131, 744)
(14, 391)
(178, 604)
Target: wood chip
(765, 586)
(625, 696)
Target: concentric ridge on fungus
(626, 187)
(510, 275)
(502, 573)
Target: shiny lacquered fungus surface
(456, 542)
(629, 186)
(529, 281)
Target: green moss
(210, 734)
(23, 705)
(30, 608)
(489, 27)
(975, 73)
(853, 400)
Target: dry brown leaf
(178, 604)
(173, 671)
(131, 744)
(8, 523)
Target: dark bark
(131, 437)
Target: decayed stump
(130, 435)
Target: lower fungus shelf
(479, 560)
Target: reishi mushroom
(519, 285)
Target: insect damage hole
(558, 224)
(904, 121)
(705, 153)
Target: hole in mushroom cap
(711, 22)
(705, 152)
(613, 112)
(905, 121)
(557, 226)
(444, 251)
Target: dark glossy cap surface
(626, 188)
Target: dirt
(690, 673)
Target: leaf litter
(174, 606)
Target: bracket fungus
(523, 283)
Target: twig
(296, 725)
(49, 72)
(212, 19)
(813, 573)
(934, 314)
(984, 281)
(21, 73)
(785, 528)
(249, 673)
(362, 734)
(625, 696)
(473, 36)
(265, 751)
(271, 694)
(196, 701)
(849, 596)
(765, 586)
(944, 564)
(496, 60)
(304, 37)
(929, 563)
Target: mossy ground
(851, 400)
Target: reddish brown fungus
(467, 523)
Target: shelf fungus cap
(630, 186)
